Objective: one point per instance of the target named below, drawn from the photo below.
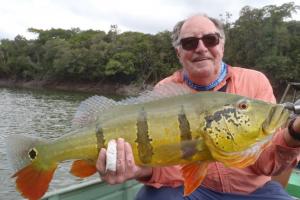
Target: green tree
(261, 39)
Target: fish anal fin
(33, 182)
(83, 168)
(193, 175)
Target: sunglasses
(209, 40)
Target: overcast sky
(147, 16)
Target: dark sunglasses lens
(210, 40)
(189, 43)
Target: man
(199, 44)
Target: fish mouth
(277, 116)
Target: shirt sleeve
(264, 90)
(278, 156)
(165, 176)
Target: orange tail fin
(33, 183)
(83, 168)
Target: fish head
(242, 128)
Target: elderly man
(199, 44)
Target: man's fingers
(125, 163)
(120, 157)
(129, 157)
(101, 162)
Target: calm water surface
(46, 114)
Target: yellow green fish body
(163, 130)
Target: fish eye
(32, 153)
(243, 105)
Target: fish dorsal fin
(193, 175)
(90, 109)
(160, 91)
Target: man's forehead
(198, 25)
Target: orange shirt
(272, 161)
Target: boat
(293, 187)
(98, 190)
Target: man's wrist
(291, 130)
(290, 141)
(145, 174)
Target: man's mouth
(200, 59)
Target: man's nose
(201, 46)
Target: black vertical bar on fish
(145, 149)
(100, 138)
(187, 149)
(184, 126)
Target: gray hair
(177, 28)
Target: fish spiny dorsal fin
(90, 109)
(159, 92)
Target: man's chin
(200, 68)
(201, 72)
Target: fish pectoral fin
(32, 181)
(83, 168)
(243, 159)
(193, 175)
(241, 162)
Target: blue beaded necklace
(212, 85)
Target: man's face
(203, 63)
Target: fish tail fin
(32, 175)
(33, 182)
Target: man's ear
(223, 47)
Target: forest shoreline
(88, 87)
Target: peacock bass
(166, 126)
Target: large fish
(167, 126)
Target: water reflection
(40, 113)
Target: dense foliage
(264, 39)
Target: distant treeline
(263, 39)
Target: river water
(46, 114)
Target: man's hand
(288, 138)
(126, 168)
